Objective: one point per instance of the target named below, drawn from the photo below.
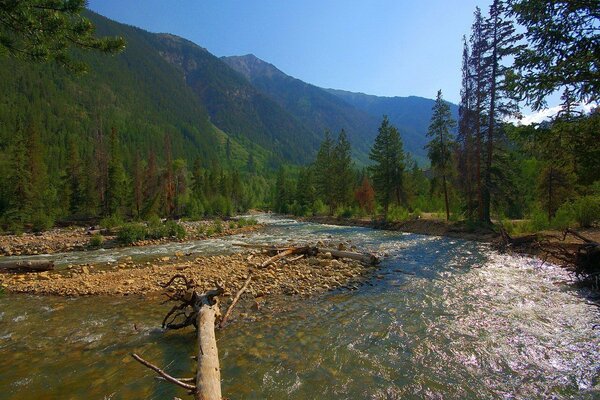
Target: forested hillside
(63, 136)
(313, 106)
(411, 115)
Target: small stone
(85, 270)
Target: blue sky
(382, 47)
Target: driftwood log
(202, 311)
(28, 265)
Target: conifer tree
(341, 160)
(500, 37)
(281, 195)
(441, 144)
(116, 190)
(388, 168)
(47, 30)
(138, 182)
(324, 172)
(480, 91)
(74, 178)
(465, 133)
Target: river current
(440, 319)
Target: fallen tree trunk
(208, 374)
(366, 258)
(29, 265)
(201, 310)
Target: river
(441, 319)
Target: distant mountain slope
(317, 109)
(411, 115)
(137, 92)
(235, 105)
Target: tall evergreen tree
(465, 133)
(341, 159)
(388, 168)
(480, 91)
(116, 189)
(501, 38)
(441, 144)
(324, 172)
(75, 180)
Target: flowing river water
(440, 319)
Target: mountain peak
(251, 66)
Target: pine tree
(138, 185)
(74, 178)
(116, 190)
(305, 191)
(281, 196)
(465, 133)
(43, 30)
(480, 91)
(324, 172)
(562, 49)
(500, 36)
(441, 144)
(169, 179)
(341, 159)
(388, 168)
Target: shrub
(232, 225)
(41, 222)
(131, 233)
(210, 231)
(111, 221)
(96, 240)
(397, 214)
(539, 220)
(587, 210)
(200, 230)
(565, 217)
(174, 230)
(218, 226)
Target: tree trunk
(208, 375)
(31, 265)
(446, 197)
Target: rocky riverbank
(61, 240)
(304, 276)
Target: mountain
(317, 109)
(411, 115)
(235, 105)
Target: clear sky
(381, 47)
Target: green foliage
(47, 30)
(96, 240)
(387, 171)
(241, 222)
(175, 230)
(587, 210)
(562, 35)
(112, 221)
(131, 233)
(564, 218)
(218, 226)
(397, 213)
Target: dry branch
(163, 374)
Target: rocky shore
(61, 240)
(304, 276)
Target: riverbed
(441, 318)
